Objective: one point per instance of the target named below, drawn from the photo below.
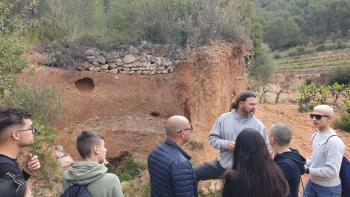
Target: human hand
(231, 145)
(33, 164)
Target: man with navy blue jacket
(169, 166)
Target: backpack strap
(330, 137)
(314, 135)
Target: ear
(15, 136)
(96, 150)
(182, 134)
(273, 140)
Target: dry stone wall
(146, 59)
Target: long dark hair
(242, 97)
(253, 168)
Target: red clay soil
(130, 109)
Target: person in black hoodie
(289, 160)
(254, 173)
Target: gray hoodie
(226, 128)
(99, 182)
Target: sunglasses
(317, 116)
(33, 129)
(187, 129)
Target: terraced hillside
(314, 63)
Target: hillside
(315, 63)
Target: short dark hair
(11, 117)
(242, 97)
(86, 140)
(282, 134)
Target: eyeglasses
(317, 116)
(33, 129)
(187, 129)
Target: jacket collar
(173, 144)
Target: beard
(248, 112)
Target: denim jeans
(209, 170)
(314, 190)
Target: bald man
(327, 153)
(169, 166)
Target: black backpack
(76, 191)
(11, 185)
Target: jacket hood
(292, 156)
(84, 173)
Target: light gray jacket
(226, 128)
(325, 161)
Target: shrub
(343, 122)
(44, 139)
(340, 44)
(43, 103)
(277, 55)
(292, 52)
(331, 46)
(309, 50)
(340, 75)
(262, 67)
(125, 166)
(321, 47)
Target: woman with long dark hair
(254, 174)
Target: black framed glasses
(187, 129)
(33, 129)
(317, 116)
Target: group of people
(251, 162)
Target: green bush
(125, 166)
(277, 55)
(292, 52)
(42, 102)
(321, 47)
(44, 139)
(331, 46)
(126, 21)
(341, 44)
(343, 122)
(340, 75)
(262, 68)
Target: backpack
(11, 184)
(344, 173)
(345, 177)
(76, 191)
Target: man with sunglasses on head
(169, 166)
(16, 132)
(327, 152)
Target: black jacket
(171, 172)
(292, 165)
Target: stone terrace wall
(146, 59)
